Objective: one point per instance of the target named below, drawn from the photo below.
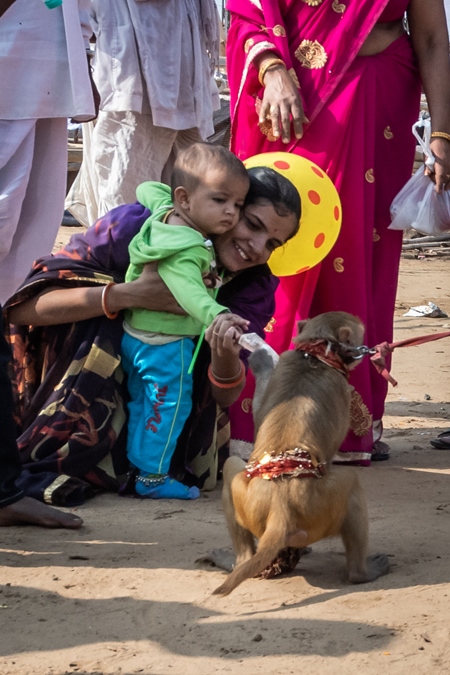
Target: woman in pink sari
(338, 82)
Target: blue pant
(161, 399)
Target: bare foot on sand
(28, 511)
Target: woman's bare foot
(28, 511)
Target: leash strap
(384, 349)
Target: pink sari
(361, 109)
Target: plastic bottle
(252, 342)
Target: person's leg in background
(183, 139)
(33, 178)
(127, 150)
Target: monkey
(290, 493)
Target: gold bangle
(440, 134)
(265, 67)
(229, 379)
(229, 385)
(105, 291)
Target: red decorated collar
(323, 351)
(294, 463)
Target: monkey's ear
(301, 325)
(344, 335)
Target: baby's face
(215, 205)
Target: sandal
(439, 443)
(380, 451)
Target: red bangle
(106, 312)
(226, 385)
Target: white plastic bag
(418, 205)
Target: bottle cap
(51, 4)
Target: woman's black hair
(267, 185)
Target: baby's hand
(224, 322)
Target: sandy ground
(125, 595)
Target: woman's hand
(148, 292)
(281, 103)
(223, 335)
(68, 305)
(429, 37)
(441, 174)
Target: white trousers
(122, 150)
(33, 179)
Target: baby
(209, 185)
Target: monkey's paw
(261, 362)
(219, 557)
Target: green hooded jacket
(183, 256)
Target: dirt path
(125, 595)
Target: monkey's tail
(272, 541)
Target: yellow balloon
(321, 212)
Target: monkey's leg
(233, 488)
(262, 366)
(354, 534)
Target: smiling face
(214, 206)
(259, 231)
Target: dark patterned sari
(69, 390)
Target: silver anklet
(158, 480)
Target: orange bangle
(226, 385)
(106, 312)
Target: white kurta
(43, 80)
(153, 68)
(43, 69)
(154, 54)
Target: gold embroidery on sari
(376, 236)
(266, 126)
(338, 264)
(294, 77)
(388, 133)
(270, 325)
(248, 44)
(266, 129)
(313, 3)
(360, 417)
(279, 31)
(264, 28)
(311, 54)
(370, 178)
(246, 405)
(338, 7)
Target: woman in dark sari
(70, 398)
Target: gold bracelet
(440, 134)
(229, 379)
(265, 67)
